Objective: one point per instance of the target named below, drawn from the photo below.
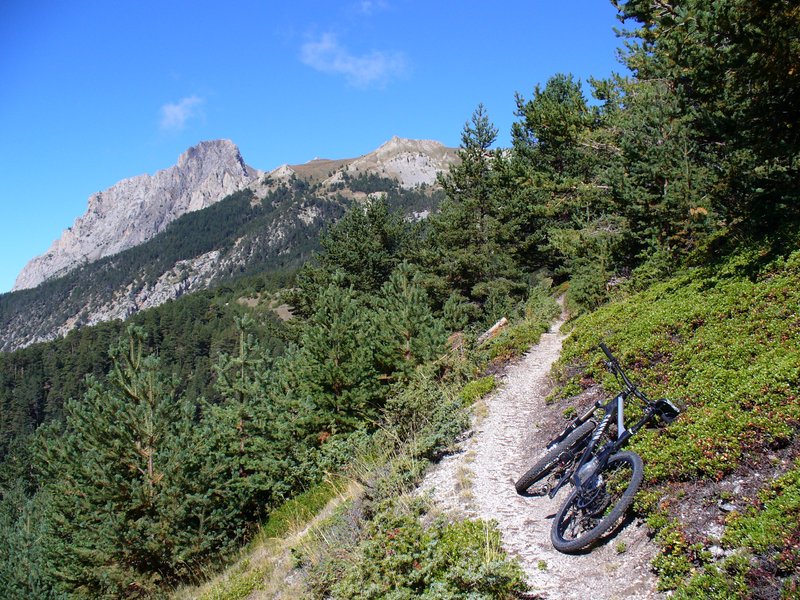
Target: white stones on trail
(478, 482)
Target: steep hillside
(242, 234)
(722, 490)
(134, 210)
(189, 334)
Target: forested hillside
(666, 207)
(240, 235)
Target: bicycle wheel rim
(589, 513)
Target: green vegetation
(189, 335)
(723, 341)
(400, 557)
(478, 388)
(668, 211)
(299, 509)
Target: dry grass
(267, 566)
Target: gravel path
(478, 481)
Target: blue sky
(92, 92)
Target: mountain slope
(134, 210)
(271, 223)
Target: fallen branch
(492, 331)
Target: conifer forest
(663, 203)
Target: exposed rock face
(134, 210)
(185, 277)
(411, 162)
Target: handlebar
(610, 356)
(616, 369)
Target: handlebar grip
(605, 349)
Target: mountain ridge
(270, 225)
(135, 209)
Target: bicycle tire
(608, 496)
(546, 464)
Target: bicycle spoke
(598, 505)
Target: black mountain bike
(587, 454)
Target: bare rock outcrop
(411, 162)
(136, 209)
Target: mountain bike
(587, 455)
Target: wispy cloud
(174, 116)
(370, 6)
(375, 68)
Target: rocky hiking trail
(477, 481)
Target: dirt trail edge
(478, 481)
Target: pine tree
(331, 376)
(129, 506)
(563, 206)
(365, 245)
(407, 332)
(22, 518)
(552, 128)
(660, 183)
(242, 433)
(735, 68)
(361, 250)
(468, 233)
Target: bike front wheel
(545, 465)
(596, 506)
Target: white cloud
(374, 68)
(370, 6)
(174, 116)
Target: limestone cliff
(136, 209)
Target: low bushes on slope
(725, 344)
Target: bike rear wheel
(595, 507)
(549, 461)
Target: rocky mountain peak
(211, 152)
(398, 145)
(411, 162)
(136, 209)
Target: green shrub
(425, 416)
(477, 389)
(723, 582)
(298, 510)
(239, 585)
(400, 557)
(674, 563)
(587, 287)
(777, 524)
(516, 339)
(541, 306)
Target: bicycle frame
(588, 455)
(613, 408)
